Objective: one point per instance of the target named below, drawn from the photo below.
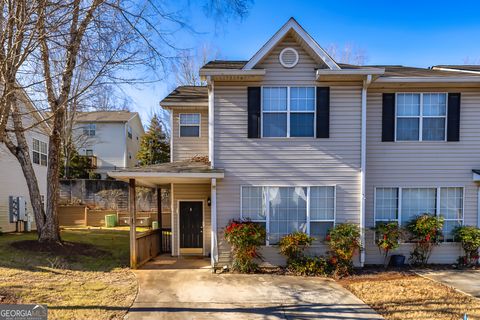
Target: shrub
(469, 237)
(293, 245)
(387, 238)
(309, 266)
(343, 240)
(425, 231)
(245, 237)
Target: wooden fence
(83, 216)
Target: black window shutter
(453, 121)
(388, 117)
(254, 126)
(323, 112)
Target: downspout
(211, 97)
(363, 165)
(211, 158)
(213, 210)
(478, 206)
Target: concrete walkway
(186, 289)
(467, 281)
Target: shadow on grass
(82, 250)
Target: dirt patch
(7, 297)
(64, 248)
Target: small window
(39, 153)
(89, 152)
(129, 132)
(90, 129)
(190, 125)
(421, 116)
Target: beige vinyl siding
(192, 192)
(185, 148)
(286, 161)
(417, 164)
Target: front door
(191, 230)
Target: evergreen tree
(155, 145)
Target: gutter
(456, 70)
(429, 79)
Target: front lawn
(88, 278)
(405, 295)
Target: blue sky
(412, 33)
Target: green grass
(74, 286)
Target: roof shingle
(105, 116)
(188, 94)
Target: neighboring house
(110, 138)
(297, 141)
(12, 180)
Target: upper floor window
(129, 132)
(189, 125)
(421, 116)
(288, 111)
(39, 152)
(89, 129)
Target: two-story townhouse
(297, 141)
(110, 138)
(12, 180)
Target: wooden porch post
(133, 220)
(159, 216)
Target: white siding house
(111, 138)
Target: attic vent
(288, 57)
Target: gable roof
(105, 116)
(291, 26)
(186, 96)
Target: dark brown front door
(191, 230)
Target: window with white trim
(288, 111)
(89, 129)
(421, 116)
(404, 204)
(39, 152)
(283, 210)
(129, 132)
(189, 124)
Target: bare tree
(187, 66)
(349, 54)
(45, 44)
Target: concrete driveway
(467, 281)
(186, 289)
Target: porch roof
(187, 171)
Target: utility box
(17, 208)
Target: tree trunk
(51, 230)
(23, 158)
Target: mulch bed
(64, 248)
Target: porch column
(213, 210)
(159, 215)
(133, 220)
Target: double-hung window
(89, 129)
(288, 111)
(421, 116)
(283, 210)
(404, 204)
(189, 125)
(39, 152)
